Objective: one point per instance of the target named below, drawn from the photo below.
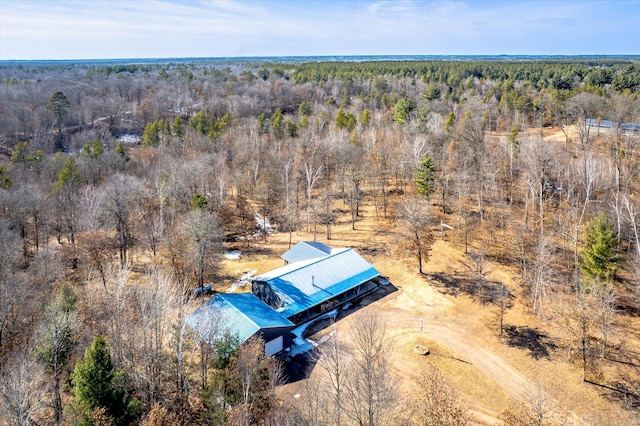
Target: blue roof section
(297, 301)
(306, 250)
(308, 283)
(241, 313)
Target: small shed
(244, 315)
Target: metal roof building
(306, 250)
(319, 279)
(608, 124)
(307, 288)
(244, 315)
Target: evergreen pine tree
(68, 175)
(425, 176)
(5, 181)
(95, 385)
(599, 257)
(199, 201)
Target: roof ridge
(314, 245)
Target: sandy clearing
(462, 332)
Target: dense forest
(121, 185)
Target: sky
(109, 29)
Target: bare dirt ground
(462, 334)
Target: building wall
(269, 334)
(264, 292)
(334, 302)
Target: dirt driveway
(455, 328)
(461, 332)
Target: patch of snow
(129, 138)
(233, 255)
(302, 345)
(331, 314)
(244, 280)
(263, 224)
(326, 337)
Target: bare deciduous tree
(56, 341)
(415, 213)
(205, 236)
(606, 302)
(471, 131)
(539, 278)
(312, 172)
(10, 286)
(22, 391)
(577, 312)
(333, 362)
(257, 377)
(535, 408)
(183, 350)
(370, 389)
(121, 193)
(434, 402)
(310, 406)
(155, 303)
(160, 416)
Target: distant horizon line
(324, 58)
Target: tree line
(104, 241)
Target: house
(245, 316)
(317, 279)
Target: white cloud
(170, 28)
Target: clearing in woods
(462, 333)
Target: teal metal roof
(241, 313)
(307, 283)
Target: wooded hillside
(121, 187)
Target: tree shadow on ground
(448, 284)
(623, 356)
(539, 344)
(617, 375)
(629, 305)
(623, 392)
(299, 367)
(487, 292)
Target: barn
(244, 315)
(316, 279)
